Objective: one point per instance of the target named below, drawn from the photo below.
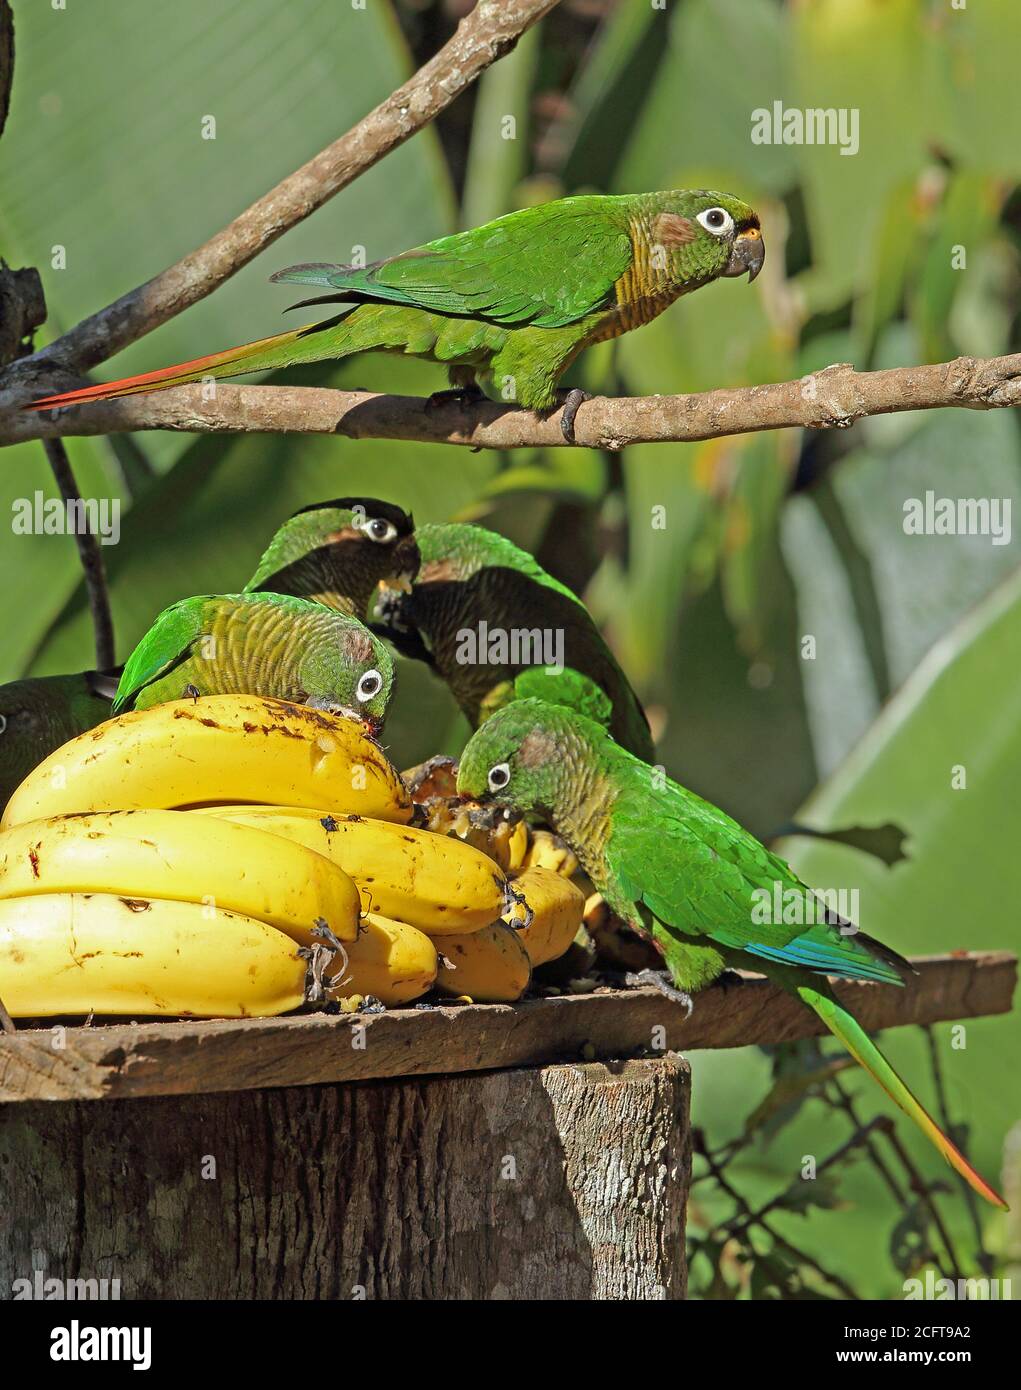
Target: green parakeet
(260, 644)
(338, 552)
(38, 714)
(490, 621)
(683, 873)
(506, 307)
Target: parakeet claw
(660, 980)
(575, 398)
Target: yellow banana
(391, 960)
(549, 851)
(433, 882)
(504, 842)
(557, 906)
(169, 854)
(71, 953)
(490, 966)
(217, 748)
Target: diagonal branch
(830, 399)
(91, 556)
(483, 36)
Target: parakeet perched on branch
(38, 714)
(683, 873)
(493, 623)
(337, 552)
(508, 306)
(260, 644)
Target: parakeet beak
(747, 253)
(406, 561)
(346, 712)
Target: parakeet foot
(574, 399)
(660, 980)
(191, 692)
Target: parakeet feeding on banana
(496, 627)
(337, 553)
(260, 644)
(38, 714)
(680, 871)
(508, 306)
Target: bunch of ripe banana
(237, 856)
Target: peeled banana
(490, 966)
(390, 960)
(557, 906)
(216, 748)
(549, 851)
(169, 854)
(72, 953)
(433, 882)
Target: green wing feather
(548, 266)
(167, 643)
(567, 687)
(695, 870)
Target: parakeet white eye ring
(716, 220)
(369, 686)
(379, 530)
(3, 723)
(499, 776)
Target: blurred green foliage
(769, 538)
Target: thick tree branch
(830, 399)
(486, 34)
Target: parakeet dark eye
(499, 776)
(379, 530)
(717, 220)
(369, 686)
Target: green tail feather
(864, 1051)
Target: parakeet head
(705, 234)
(352, 674)
(337, 552)
(533, 756)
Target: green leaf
(910, 1244)
(498, 154)
(725, 58)
(798, 1071)
(807, 1194)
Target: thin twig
(491, 30)
(845, 1103)
(802, 1256)
(918, 1185)
(7, 1024)
(833, 398)
(916, 1182)
(91, 556)
(985, 1260)
(856, 1141)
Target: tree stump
(557, 1182)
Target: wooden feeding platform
(466, 1151)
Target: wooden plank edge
(200, 1056)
